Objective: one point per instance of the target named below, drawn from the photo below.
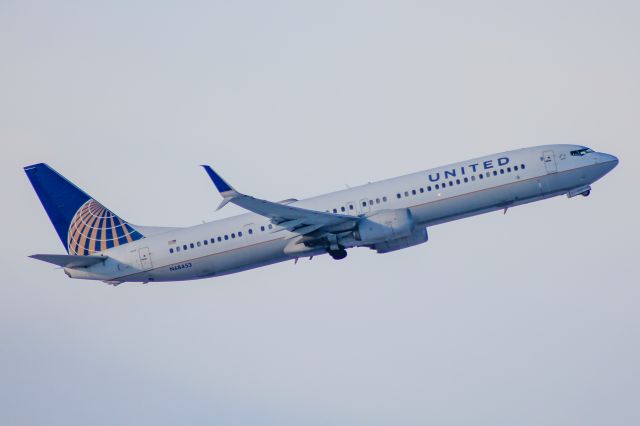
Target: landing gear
(585, 191)
(338, 254)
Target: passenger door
(145, 258)
(549, 159)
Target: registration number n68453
(180, 266)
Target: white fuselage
(433, 197)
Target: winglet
(226, 190)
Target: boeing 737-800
(385, 216)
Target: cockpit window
(581, 152)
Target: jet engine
(418, 236)
(383, 226)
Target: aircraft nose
(610, 161)
(608, 158)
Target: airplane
(384, 216)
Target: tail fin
(84, 225)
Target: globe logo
(94, 228)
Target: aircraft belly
(474, 203)
(222, 263)
(245, 258)
(560, 183)
(240, 259)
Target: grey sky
(530, 318)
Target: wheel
(586, 193)
(338, 254)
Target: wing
(295, 219)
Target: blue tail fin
(84, 225)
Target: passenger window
(413, 192)
(466, 180)
(219, 239)
(488, 174)
(250, 231)
(342, 209)
(226, 237)
(270, 226)
(377, 200)
(364, 204)
(501, 171)
(522, 166)
(473, 178)
(178, 248)
(450, 183)
(170, 250)
(481, 176)
(184, 247)
(233, 235)
(262, 228)
(437, 186)
(508, 169)
(239, 234)
(458, 181)
(198, 243)
(444, 184)
(398, 194)
(495, 173)
(384, 199)
(515, 168)
(350, 206)
(422, 190)
(206, 242)
(429, 188)
(406, 193)
(335, 210)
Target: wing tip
(221, 185)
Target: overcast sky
(530, 318)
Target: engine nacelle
(386, 225)
(418, 236)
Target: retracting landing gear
(335, 250)
(585, 191)
(338, 254)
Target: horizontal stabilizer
(70, 261)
